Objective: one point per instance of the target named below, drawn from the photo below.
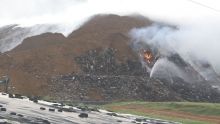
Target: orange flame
(148, 56)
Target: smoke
(71, 13)
(164, 68)
(196, 31)
(156, 36)
(192, 42)
(65, 14)
(12, 35)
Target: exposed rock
(103, 78)
(97, 63)
(41, 57)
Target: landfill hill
(31, 64)
(94, 63)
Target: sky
(30, 12)
(198, 20)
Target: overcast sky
(198, 20)
(29, 12)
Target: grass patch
(204, 109)
(191, 107)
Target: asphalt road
(24, 111)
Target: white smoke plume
(72, 13)
(12, 35)
(197, 31)
(192, 42)
(164, 68)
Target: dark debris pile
(104, 78)
(105, 63)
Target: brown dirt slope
(31, 64)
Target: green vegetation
(48, 98)
(183, 121)
(196, 109)
(191, 107)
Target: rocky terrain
(30, 67)
(105, 79)
(98, 62)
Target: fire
(148, 56)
